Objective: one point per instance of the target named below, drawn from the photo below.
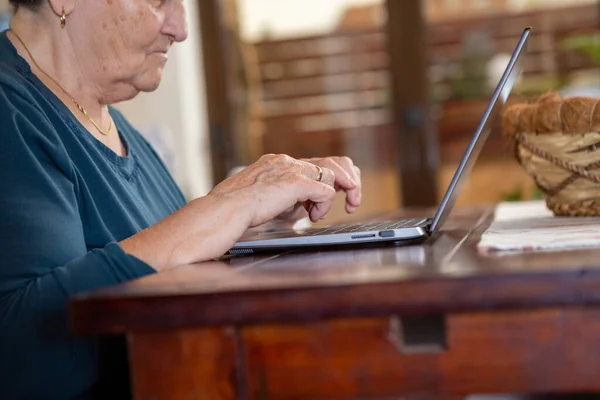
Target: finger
(358, 178)
(319, 195)
(319, 210)
(353, 196)
(342, 174)
(319, 173)
(347, 178)
(308, 189)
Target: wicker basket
(557, 141)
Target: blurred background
(398, 85)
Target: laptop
(401, 231)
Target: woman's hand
(347, 179)
(209, 226)
(277, 184)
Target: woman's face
(128, 39)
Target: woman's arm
(209, 226)
(44, 260)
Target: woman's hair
(32, 4)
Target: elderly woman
(85, 202)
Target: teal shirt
(66, 200)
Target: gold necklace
(79, 107)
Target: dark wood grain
(445, 274)
(502, 352)
(487, 353)
(333, 325)
(191, 364)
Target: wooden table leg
(190, 364)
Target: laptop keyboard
(373, 226)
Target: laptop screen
(484, 128)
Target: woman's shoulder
(17, 94)
(14, 83)
(25, 125)
(18, 101)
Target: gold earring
(63, 19)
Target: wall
(284, 18)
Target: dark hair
(31, 4)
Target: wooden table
(431, 321)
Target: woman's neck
(53, 60)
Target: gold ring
(320, 176)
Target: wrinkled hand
(277, 184)
(346, 178)
(208, 226)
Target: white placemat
(530, 226)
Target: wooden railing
(320, 91)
